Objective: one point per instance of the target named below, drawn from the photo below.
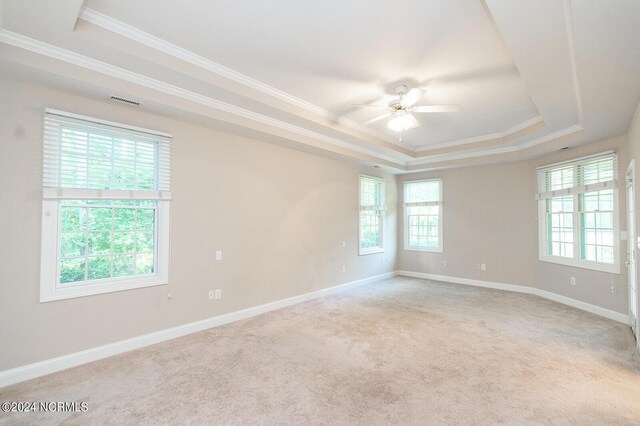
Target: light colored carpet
(400, 351)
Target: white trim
(94, 120)
(597, 310)
(149, 40)
(568, 21)
(632, 250)
(504, 150)
(31, 371)
(74, 58)
(498, 135)
(50, 193)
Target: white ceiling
(530, 76)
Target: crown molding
(149, 40)
(519, 130)
(568, 20)
(54, 52)
(132, 33)
(563, 135)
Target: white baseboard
(31, 371)
(607, 313)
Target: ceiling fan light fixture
(401, 122)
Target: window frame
(380, 248)
(405, 214)
(50, 260)
(576, 260)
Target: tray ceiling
(530, 77)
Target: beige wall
(485, 221)
(279, 215)
(490, 216)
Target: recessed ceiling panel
(336, 54)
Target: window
(371, 214)
(423, 215)
(106, 198)
(578, 213)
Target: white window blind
(89, 158)
(578, 217)
(576, 177)
(422, 193)
(371, 193)
(372, 208)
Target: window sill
(583, 264)
(425, 249)
(364, 252)
(102, 287)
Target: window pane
(99, 267)
(74, 218)
(146, 219)
(144, 263)
(73, 244)
(123, 242)
(99, 242)
(144, 241)
(370, 231)
(123, 265)
(100, 218)
(606, 254)
(124, 218)
(72, 270)
(107, 228)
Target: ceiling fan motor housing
(396, 105)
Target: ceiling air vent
(124, 100)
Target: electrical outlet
(344, 268)
(344, 244)
(219, 255)
(212, 295)
(218, 294)
(573, 281)
(443, 262)
(483, 266)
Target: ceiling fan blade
(378, 118)
(412, 97)
(370, 106)
(415, 122)
(436, 108)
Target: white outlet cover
(219, 255)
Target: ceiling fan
(400, 109)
